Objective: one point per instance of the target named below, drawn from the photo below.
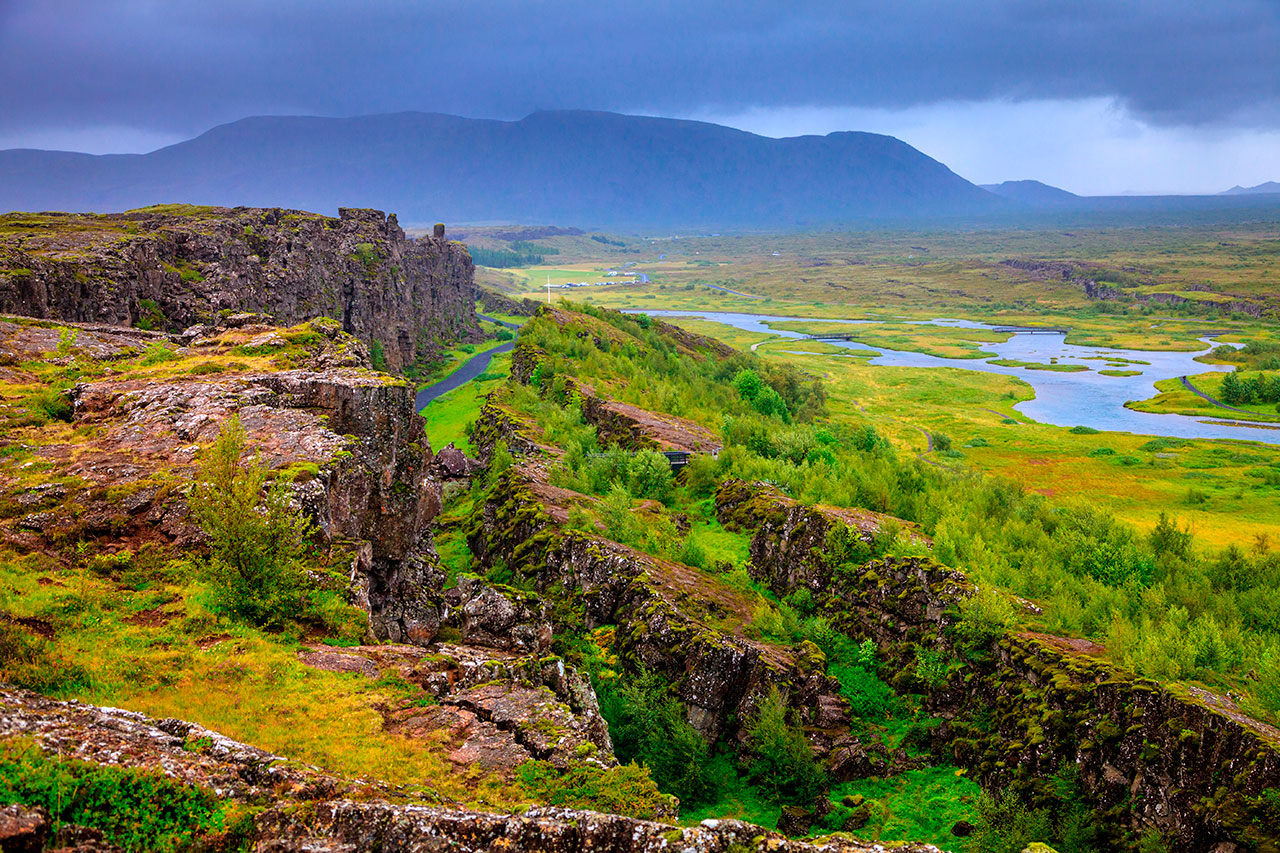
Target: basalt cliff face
(172, 266)
(1182, 760)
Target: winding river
(1084, 398)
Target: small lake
(1083, 398)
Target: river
(1083, 398)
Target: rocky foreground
(307, 809)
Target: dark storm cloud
(182, 66)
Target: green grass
(448, 415)
(1119, 372)
(918, 805)
(1175, 398)
(1036, 365)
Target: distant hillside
(1261, 189)
(1034, 193)
(570, 168)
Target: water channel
(1084, 398)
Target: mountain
(568, 167)
(1034, 193)
(1261, 189)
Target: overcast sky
(1096, 96)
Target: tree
(769, 402)
(784, 767)
(650, 475)
(748, 383)
(1232, 389)
(1168, 538)
(256, 537)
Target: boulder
(452, 464)
(497, 616)
(23, 829)
(795, 821)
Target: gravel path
(1186, 383)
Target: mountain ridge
(1264, 188)
(568, 166)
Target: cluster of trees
(503, 258)
(1240, 389)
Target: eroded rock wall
(173, 267)
(719, 673)
(1178, 759)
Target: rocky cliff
(348, 438)
(1180, 759)
(172, 266)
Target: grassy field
(447, 416)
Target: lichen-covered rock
(1181, 760)
(23, 829)
(453, 464)
(175, 268)
(402, 829)
(186, 752)
(500, 617)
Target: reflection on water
(1066, 399)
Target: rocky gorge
(481, 625)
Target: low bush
(135, 809)
(625, 790)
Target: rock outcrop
(309, 809)
(492, 709)
(663, 611)
(351, 826)
(1178, 759)
(173, 266)
(348, 439)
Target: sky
(1095, 96)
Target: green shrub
(781, 762)
(1083, 430)
(156, 353)
(48, 404)
(648, 726)
(626, 790)
(256, 538)
(985, 616)
(748, 383)
(931, 667)
(135, 809)
(1007, 825)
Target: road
(470, 369)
